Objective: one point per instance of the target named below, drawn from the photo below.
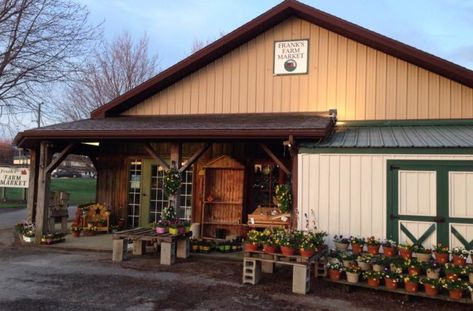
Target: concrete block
(267, 267)
(168, 255)
(301, 279)
(120, 248)
(139, 247)
(183, 248)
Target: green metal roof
(440, 136)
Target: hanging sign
(291, 57)
(14, 177)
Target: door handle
(439, 219)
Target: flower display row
(289, 243)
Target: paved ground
(11, 216)
(41, 278)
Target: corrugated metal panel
(444, 136)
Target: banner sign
(291, 57)
(14, 177)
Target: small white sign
(291, 57)
(14, 177)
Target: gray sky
(440, 27)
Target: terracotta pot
(423, 257)
(161, 230)
(390, 283)
(76, 234)
(459, 261)
(431, 290)
(378, 268)
(356, 248)
(413, 271)
(411, 287)
(288, 251)
(306, 252)
(441, 258)
(405, 253)
(353, 277)
(341, 246)
(251, 247)
(373, 282)
(455, 293)
(451, 276)
(433, 273)
(334, 275)
(364, 266)
(389, 251)
(269, 249)
(373, 249)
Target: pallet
(284, 259)
(401, 291)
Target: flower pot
(356, 248)
(161, 230)
(423, 257)
(75, 234)
(470, 277)
(373, 249)
(341, 246)
(405, 253)
(390, 283)
(389, 251)
(348, 263)
(187, 229)
(269, 249)
(251, 247)
(378, 268)
(459, 261)
(307, 252)
(173, 231)
(288, 251)
(334, 275)
(455, 293)
(441, 258)
(411, 287)
(364, 266)
(433, 273)
(181, 230)
(353, 277)
(431, 290)
(373, 282)
(413, 271)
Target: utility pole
(39, 114)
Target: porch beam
(155, 155)
(32, 186)
(275, 159)
(194, 157)
(62, 155)
(42, 217)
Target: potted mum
(310, 242)
(357, 244)
(396, 264)
(455, 288)
(392, 279)
(413, 266)
(364, 262)
(459, 256)
(271, 239)
(389, 248)
(334, 271)
(441, 253)
(378, 263)
(76, 230)
(161, 227)
(373, 245)
(347, 259)
(253, 238)
(373, 277)
(411, 283)
(453, 272)
(422, 254)
(405, 250)
(341, 243)
(431, 286)
(353, 273)
(287, 243)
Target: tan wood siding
(362, 83)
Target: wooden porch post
(42, 216)
(176, 160)
(33, 186)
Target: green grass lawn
(81, 190)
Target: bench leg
(251, 271)
(267, 267)
(183, 247)
(167, 253)
(301, 279)
(120, 248)
(139, 247)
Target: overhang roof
(190, 127)
(422, 136)
(264, 22)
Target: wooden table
(172, 246)
(257, 262)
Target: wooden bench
(257, 262)
(172, 246)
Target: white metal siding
(346, 193)
(460, 188)
(417, 193)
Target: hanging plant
(172, 181)
(284, 197)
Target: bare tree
(115, 68)
(198, 44)
(41, 43)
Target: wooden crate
(262, 218)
